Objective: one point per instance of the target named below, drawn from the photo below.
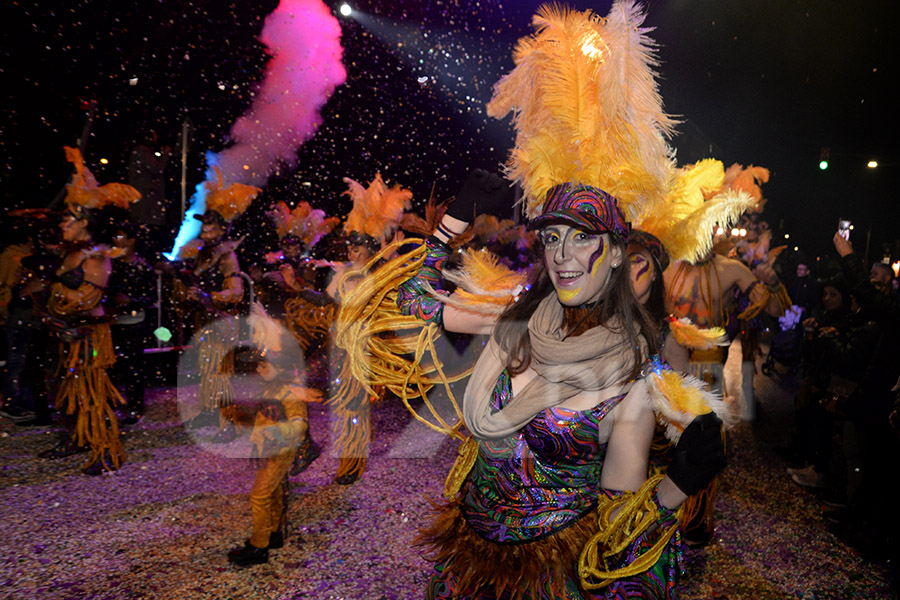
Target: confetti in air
(303, 39)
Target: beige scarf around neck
(598, 359)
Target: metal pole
(184, 134)
(158, 308)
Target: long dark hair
(656, 301)
(511, 332)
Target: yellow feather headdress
(228, 201)
(378, 209)
(303, 222)
(684, 221)
(84, 191)
(587, 109)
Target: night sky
(769, 82)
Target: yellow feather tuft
(483, 284)
(377, 210)
(586, 108)
(304, 222)
(748, 180)
(691, 336)
(228, 201)
(685, 220)
(677, 399)
(683, 398)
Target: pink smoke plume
(303, 39)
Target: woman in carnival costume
(75, 311)
(551, 496)
(305, 311)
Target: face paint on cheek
(643, 273)
(597, 258)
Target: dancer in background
(76, 314)
(211, 283)
(700, 284)
(375, 217)
(132, 292)
(281, 426)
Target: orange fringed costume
(85, 388)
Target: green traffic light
(823, 164)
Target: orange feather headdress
(83, 192)
(303, 222)
(378, 209)
(229, 201)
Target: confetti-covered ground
(160, 527)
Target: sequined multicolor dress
(526, 510)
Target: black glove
(481, 192)
(699, 454)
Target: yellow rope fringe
(89, 296)
(86, 390)
(637, 512)
(388, 349)
(468, 452)
(216, 363)
(308, 322)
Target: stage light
(735, 232)
(787, 236)
(163, 334)
(103, 161)
(872, 164)
(823, 164)
(720, 231)
(346, 10)
(796, 248)
(743, 232)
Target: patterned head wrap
(585, 207)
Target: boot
(104, 463)
(276, 540)
(305, 456)
(63, 449)
(248, 555)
